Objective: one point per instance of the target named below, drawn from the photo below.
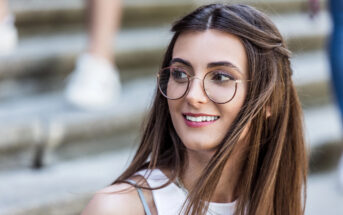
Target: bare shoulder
(115, 199)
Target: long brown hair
(273, 180)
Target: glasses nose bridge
(194, 77)
(190, 85)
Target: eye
(221, 76)
(178, 74)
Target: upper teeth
(201, 118)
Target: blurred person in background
(8, 32)
(224, 135)
(95, 83)
(335, 52)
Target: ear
(268, 111)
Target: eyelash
(225, 73)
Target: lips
(199, 120)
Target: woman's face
(199, 53)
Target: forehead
(201, 48)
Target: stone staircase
(56, 156)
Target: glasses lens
(173, 82)
(220, 86)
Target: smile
(201, 118)
(196, 120)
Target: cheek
(230, 111)
(228, 115)
(172, 105)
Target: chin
(200, 145)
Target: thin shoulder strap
(141, 196)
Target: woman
(224, 135)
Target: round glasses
(219, 85)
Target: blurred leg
(336, 51)
(336, 62)
(8, 32)
(95, 83)
(3, 9)
(104, 25)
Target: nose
(196, 94)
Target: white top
(169, 199)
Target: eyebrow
(210, 65)
(180, 60)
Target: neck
(226, 188)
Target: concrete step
(324, 134)
(66, 188)
(47, 122)
(37, 15)
(303, 33)
(54, 16)
(311, 74)
(324, 195)
(310, 67)
(42, 63)
(322, 125)
(61, 189)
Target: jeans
(336, 51)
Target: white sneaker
(8, 36)
(94, 84)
